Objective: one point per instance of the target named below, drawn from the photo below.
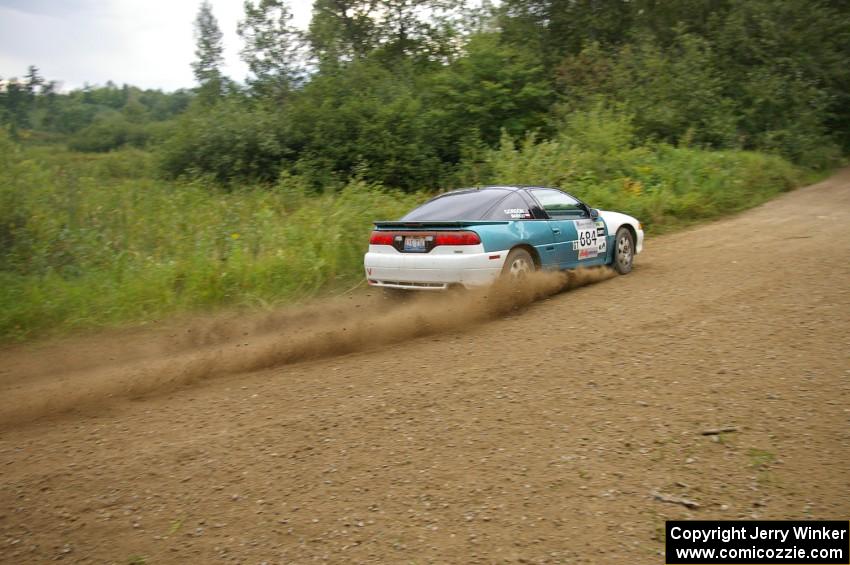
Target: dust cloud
(93, 372)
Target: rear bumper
(387, 267)
(639, 242)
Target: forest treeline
(413, 93)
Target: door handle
(556, 231)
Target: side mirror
(594, 213)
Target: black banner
(761, 542)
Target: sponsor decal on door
(589, 243)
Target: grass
(89, 240)
(760, 458)
(176, 526)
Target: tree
(364, 120)
(787, 67)
(235, 140)
(208, 51)
(494, 87)
(33, 82)
(346, 30)
(4, 101)
(17, 105)
(272, 47)
(418, 27)
(481, 18)
(561, 27)
(341, 30)
(674, 94)
(50, 104)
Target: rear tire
(518, 265)
(624, 251)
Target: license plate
(414, 244)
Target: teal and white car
(471, 237)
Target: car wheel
(518, 265)
(624, 251)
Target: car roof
(510, 187)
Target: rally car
(472, 237)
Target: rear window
(462, 205)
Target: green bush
(663, 186)
(366, 121)
(110, 131)
(231, 140)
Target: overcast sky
(146, 43)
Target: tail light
(432, 239)
(456, 238)
(381, 238)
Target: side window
(557, 203)
(513, 207)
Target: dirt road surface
(455, 432)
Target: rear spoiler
(456, 224)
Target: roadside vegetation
(120, 205)
(96, 239)
(93, 239)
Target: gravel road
(559, 428)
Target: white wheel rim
(520, 268)
(624, 251)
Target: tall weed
(94, 241)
